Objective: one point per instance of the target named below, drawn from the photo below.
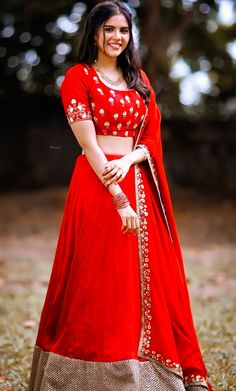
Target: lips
(115, 45)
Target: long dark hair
(128, 60)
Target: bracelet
(120, 200)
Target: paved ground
(29, 224)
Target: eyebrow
(110, 25)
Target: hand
(115, 171)
(130, 221)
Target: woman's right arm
(85, 134)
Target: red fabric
(85, 96)
(93, 309)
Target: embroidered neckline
(110, 88)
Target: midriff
(115, 145)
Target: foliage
(171, 32)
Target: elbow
(89, 148)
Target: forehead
(118, 20)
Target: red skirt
(117, 311)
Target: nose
(117, 34)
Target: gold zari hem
(53, 372)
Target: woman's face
(115, 32)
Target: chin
(114, 54)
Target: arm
(84, 132)
(122, 166)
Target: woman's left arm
(121, 166)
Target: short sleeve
(75, 95)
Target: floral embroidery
(96, 79)
(145, 342)
(194, 379)
(77, 111)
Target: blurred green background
(188, 49)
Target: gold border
(144, 349)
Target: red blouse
(114, 112)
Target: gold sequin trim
(146, 332)
(195, 380)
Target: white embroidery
(77, 111)
(96, 79)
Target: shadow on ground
(29, 225)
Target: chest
(114, 108)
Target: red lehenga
(117, 312)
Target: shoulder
(77, 73)
(77, 69)
(75, 76)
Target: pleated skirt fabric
(92, 318)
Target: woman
(117, 312)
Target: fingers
(113, 178)
(130, 225)
(109, 172)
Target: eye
(124, 31)
(108, 29)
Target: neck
(105, 62)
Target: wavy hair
(128, 60)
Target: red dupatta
(149, 139)
(149, 136)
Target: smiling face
(113, 36)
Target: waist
(115, 145)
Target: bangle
(120, 200)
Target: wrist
(120, 200)
(129, 159)
(114, 189)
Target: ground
(29, 225)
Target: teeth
(116, 45)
